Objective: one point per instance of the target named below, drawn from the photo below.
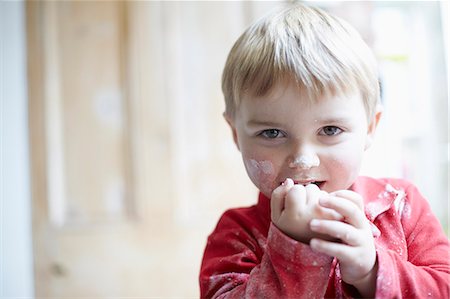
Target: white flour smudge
(401, 207)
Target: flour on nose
(304, 162)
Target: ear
(373, 126)
(230, 121)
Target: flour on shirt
(401, 207)
(231, 279)
(260, 238)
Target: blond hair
(322, 53)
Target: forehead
(288, 100)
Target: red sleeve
(422, 271)
(238, 263)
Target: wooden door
(131, 161)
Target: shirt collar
(379, 196)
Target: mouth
(317, 183)
(308, 182)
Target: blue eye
(271, 133)
(330, 131)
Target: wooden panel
(38, 159)
(149, 110)
(203, 153)
(86, 112)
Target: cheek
(345, 165)
(345, 168)
(262, 174)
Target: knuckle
(350, 238)
(277, 191)
(359, 199)
(296, 190)
(353, 210)
(312, 188)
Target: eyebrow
(262, 123)
(333, 120)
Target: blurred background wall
(116, 163)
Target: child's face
(282, 135)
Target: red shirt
(248, 256)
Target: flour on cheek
(262, 174)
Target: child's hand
(294, 206)
(356, 253)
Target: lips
(308, 182)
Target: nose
(304, 160)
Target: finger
(288, 182)
(338, 230)
(329, 214)
(296, 199)
(278, 198)
(352, 196)
(342, 252)
(313, 193)
(347, 208)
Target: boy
(302, 97)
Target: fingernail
(287, 182)
(313, 244)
